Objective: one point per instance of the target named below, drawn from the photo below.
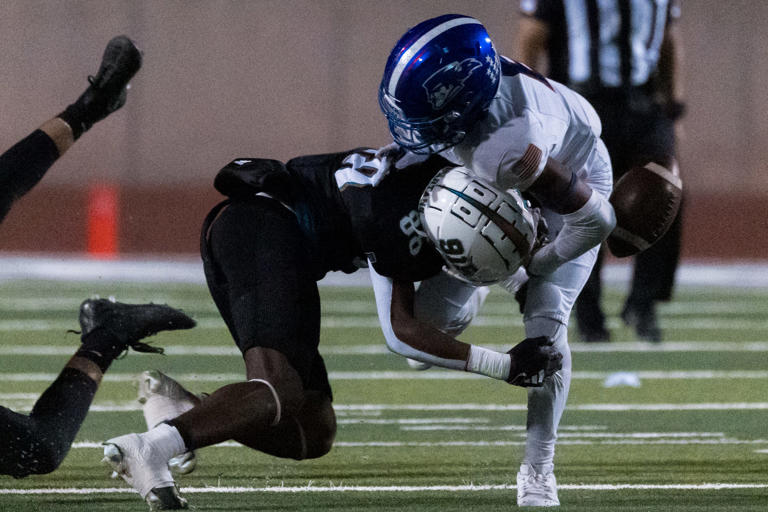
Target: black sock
(101, 347)
(76, 117)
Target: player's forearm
(581, 231)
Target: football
(646, 200)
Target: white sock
(488, 362)
(165, 440)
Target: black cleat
(108, 89)
(600, 335)
(131, 323)
(643, 318)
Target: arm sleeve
(582, 230)
(382, 289)
(23, 166)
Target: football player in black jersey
(38, 442)
(281, 229)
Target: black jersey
(351, 211)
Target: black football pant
(634, 139)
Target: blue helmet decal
(447, 82)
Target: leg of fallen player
(266, 413)
(37, 443)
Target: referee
(623, 56)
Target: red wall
(166, 220)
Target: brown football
(646, 200)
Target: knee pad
(278, 406)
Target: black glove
(533, 360)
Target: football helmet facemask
(483, 233)
(439, 80)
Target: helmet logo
(447, 82)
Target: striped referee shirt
(599, 44)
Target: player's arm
(527, 364)
(588, 217)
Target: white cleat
(163, 399)
(536, 490)
(134, 461)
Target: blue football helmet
(439, 80)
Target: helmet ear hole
(482, 232)
(440, 78)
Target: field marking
(130, 406)
(501, 306)
(372, 322)
(226, 349)
(311, 488)
(501, 443)
(408, 375)
(572, 407)
(185, 268)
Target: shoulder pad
(244, 177)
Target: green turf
(420, 444)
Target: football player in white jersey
(445, 89)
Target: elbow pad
(582, 230)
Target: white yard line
(372, 322)
(188, 269)
(312, 488)
(228, 349)
(407, 375)
(132, 405)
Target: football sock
(547, 403)
(79, 115)
(102, 347)
(23, 166)
(165, 440)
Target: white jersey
(530, 120)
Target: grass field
(693, 436)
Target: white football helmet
(483, 233)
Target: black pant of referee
(636, 131)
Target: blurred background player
(624, 57)
(446, 90)
(37, 443)
(282, 229)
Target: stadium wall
(274, 79)
(167, 219)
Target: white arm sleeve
(382, 289)
(582, 230)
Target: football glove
(533, 360)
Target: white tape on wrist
(278, 409)
(488, 362)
